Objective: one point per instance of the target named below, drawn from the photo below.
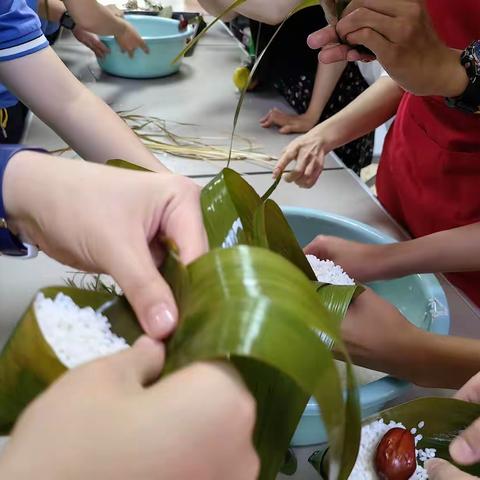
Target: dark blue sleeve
(9, 244)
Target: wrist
(121, 26)
(454, 80)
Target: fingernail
(461, 451)
(161, 321)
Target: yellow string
(3, 118)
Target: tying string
(4, 121)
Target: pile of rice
(327, 272)
(76, 335)
(372, 434)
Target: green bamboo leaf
(228, 203)
(240, 307)
(444, 419)
(194, 41)
(269, 192)
(302, 5)
(127, 165)
(28, 364)
(290, 464)
(272, 231)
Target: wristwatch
(469, 101)
(66, 21)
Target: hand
(362, 261)
(308, 151)
(108, 220)
(108, 419)
(129, 39)
(288, 123)
(439, 469)
(403, 39)
(91, 41)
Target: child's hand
(361, 261)
(91, 41)
(129, 39)
(288, 123)
(308, 151)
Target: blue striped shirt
(20, 35)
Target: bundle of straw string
(155, 134)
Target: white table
(203, 93)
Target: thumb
(286, 129)
(146, 290)
(465, 449)
(141, 364)
(439, 469)
(317, 247)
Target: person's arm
(113, 419)
(455, 250)
(272, 13)
(84, 121)
(326, 79)
(379, 337)
(369, 110)
(94, 17)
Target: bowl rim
(388, 388)
(187, 33)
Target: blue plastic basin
(412, 295)
(164, 41)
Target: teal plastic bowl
(164, 41)
(419, 297)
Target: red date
(395, 458)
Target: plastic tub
(164, 41)
(419, 297)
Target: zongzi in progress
(76, 335)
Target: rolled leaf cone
(28, 364)
(444, 419)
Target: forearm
(266, 12)
(368, 111)
(455, 250)
(84, 121)
(94, 17)
(326, 79)
(53, 12)
(379, 337)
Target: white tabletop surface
(203, 94)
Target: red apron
(429, 174)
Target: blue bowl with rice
(164, 40)
(420, 298)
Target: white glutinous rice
(76, 335)
(372, 434)
(327, 272)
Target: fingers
(370, 39)
(146, 290)
(144, 46)
(322, 38)
(312, 172)
(189, 233)
(289, 156)
(334, 53)
(439, 469)
(317, 247)
(470, 392)
(287, 129)
(465, 449)
(142, 363)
